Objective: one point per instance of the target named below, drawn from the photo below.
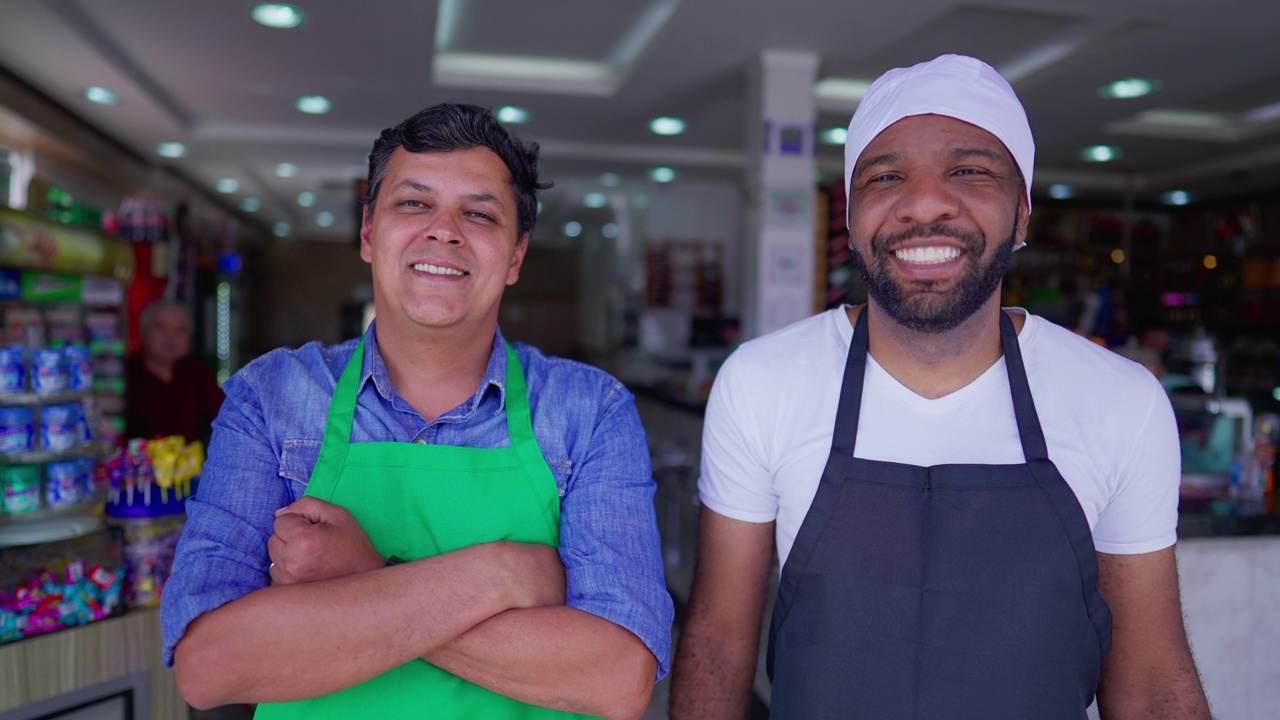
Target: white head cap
(956, 86)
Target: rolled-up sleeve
(222, 555)
(608, 530)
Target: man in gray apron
(425, 521)
(974, 509)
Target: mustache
(973, 242)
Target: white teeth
(927, 255)
(436, 269)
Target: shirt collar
(495, 374)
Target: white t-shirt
(1107, 422)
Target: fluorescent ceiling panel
(606, 44)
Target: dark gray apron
(952, 591)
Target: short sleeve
(1142, 515)
(735, 479)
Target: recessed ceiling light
(512, 114)
(286, 170)
(662, 174)
(835, 136)
(595, 200)
(171, 150)
(843, 90)
(1264, 113)
(1175, 197)
(281, 229)
(1117, 256)
(610, 179)
(277, 15)
(102, 96)
(228, 185)
(1101, 153)
(306, 198)
(667, 125)
(251, 204)
(1061, 192)
(314, 104)
(1210, 262)
(610, 230)
(1129, 88)
(572, 229)
(324, 219)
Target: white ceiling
(594, 72)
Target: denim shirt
(266, 441)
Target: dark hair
(458, 126)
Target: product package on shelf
(52, 427)
(148, 483)
(50, 586)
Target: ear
(1024, 216)
(517, 259)
(366, 240)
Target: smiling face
(442, 241)
(935, 208)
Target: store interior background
(650, 257)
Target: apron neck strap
(519, 416)
(1024, 408)
(337, 428)
(850, 407)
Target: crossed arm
(491, 613)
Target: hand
(317, 540)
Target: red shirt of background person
(167, 391)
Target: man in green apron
(427, 521)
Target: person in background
(974, 508)
(167, 390)
(426, 521)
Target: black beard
(927, 312)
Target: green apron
(416, 501)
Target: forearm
(1182, 699)
(714, 672)
(716, 658)
(555, 657)
(263, 647)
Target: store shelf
(28, 398)
(33, 457)
(42, 528)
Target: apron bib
(952, 591)
(416, 501)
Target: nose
(444, 227)
(926, 200)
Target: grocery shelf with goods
(51, 586)
(62, 339)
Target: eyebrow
(962, 153)
(874, 160)
(419, 187)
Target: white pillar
(781, 125)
